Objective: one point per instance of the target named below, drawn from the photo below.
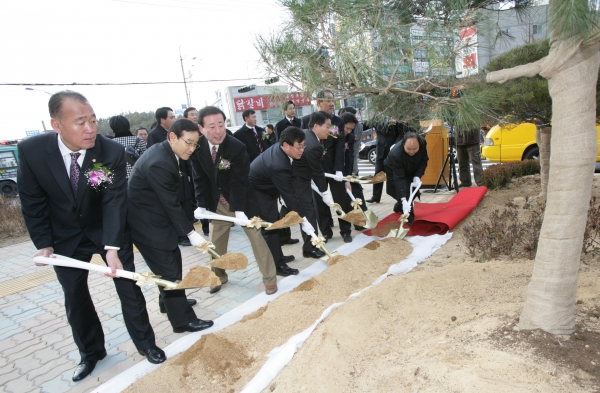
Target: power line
(227, 7)
(125, 83)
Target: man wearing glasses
(157, 219)
(271, 177)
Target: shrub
(11, 220)
(499, 175)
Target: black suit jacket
(404, 167)
(154, 212)
(271, 173)
(334, 147)
(285, 123)
(52, 215)
(309, 166)
(247, 137)
(210, 181)
(349, 147)
(157, 135)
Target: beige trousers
(219, 236)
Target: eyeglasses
(300, 148)
(191, 144)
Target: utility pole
(187, 96)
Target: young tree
(571, 69)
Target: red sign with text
(263, 102)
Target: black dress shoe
(163, 310)
(359, 228)
(285, 270)
(372, 200)
(154, 354)
(85, 368)
(292, 241)
(327, 237)
(398, 207)
(195, 326)
(347, 238)
(287, 259)
(313, 254)
(185, 243)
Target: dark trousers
(168, 265)
(285, 234)
(305, 198)
(81, 313)
(357, 191)
(324, 218)
(270, 213)
(394, 193)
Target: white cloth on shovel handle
(60, 260)
(334, 177)
(214, 216)
(412, 194)
(350, 194)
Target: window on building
(538, 29)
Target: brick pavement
(37, 353)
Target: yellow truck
(504, 144)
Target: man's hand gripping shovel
(401, 232)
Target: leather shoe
(85, 368)
(287, 259)
(359, 228)
(191, 302)
(292, 241)
(285, 270)
(313, 254)
(347, 238)
(185, 243)
(397, 207)
(270, 289)
(195, 326)
(214, 289)
(327, 237)
(154, 354)
(372, 200)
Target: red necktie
(214, 158)
(257, 140)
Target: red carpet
(435, 218)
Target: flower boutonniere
(324, 151)
(345, 146)
(334, 131)
(99, 176)
(265, 136)
(224, 164)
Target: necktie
(257, 140)
(214, 158)
(322, 144)
(74, 172)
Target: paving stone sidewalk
(37, 353)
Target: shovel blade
(231, 261)
(355, 217)
(372, 219)
(198, 276)
(290, 219)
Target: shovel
(401, 232)
(371, 220)
(227, 261)
(290, 219)
(319, 242)
(352, 217)
(197, 277)
(378, 178)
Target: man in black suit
(272, 178)
(157, 219)
(289, 120)
(309, 167)
(333, 163)
(165, 119)
(255, 138)
(350, 122)
(66, 215)
(221, 167)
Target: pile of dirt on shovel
(227, 360)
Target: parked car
(8, 169)
(367, 151)
(517, 143)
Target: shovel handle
(215, 216)
(350, 195)
(60, 260)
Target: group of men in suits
(200, 162)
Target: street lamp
(43, 91)
(187, 94)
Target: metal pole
(187, 97)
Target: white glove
(199, 210)
(307, 227)
(405, 206)
(417, 182)
(339, 176)
(327, 198)
(241, 217)
(196, 239)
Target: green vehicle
(8, 168)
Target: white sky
(121, 41)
